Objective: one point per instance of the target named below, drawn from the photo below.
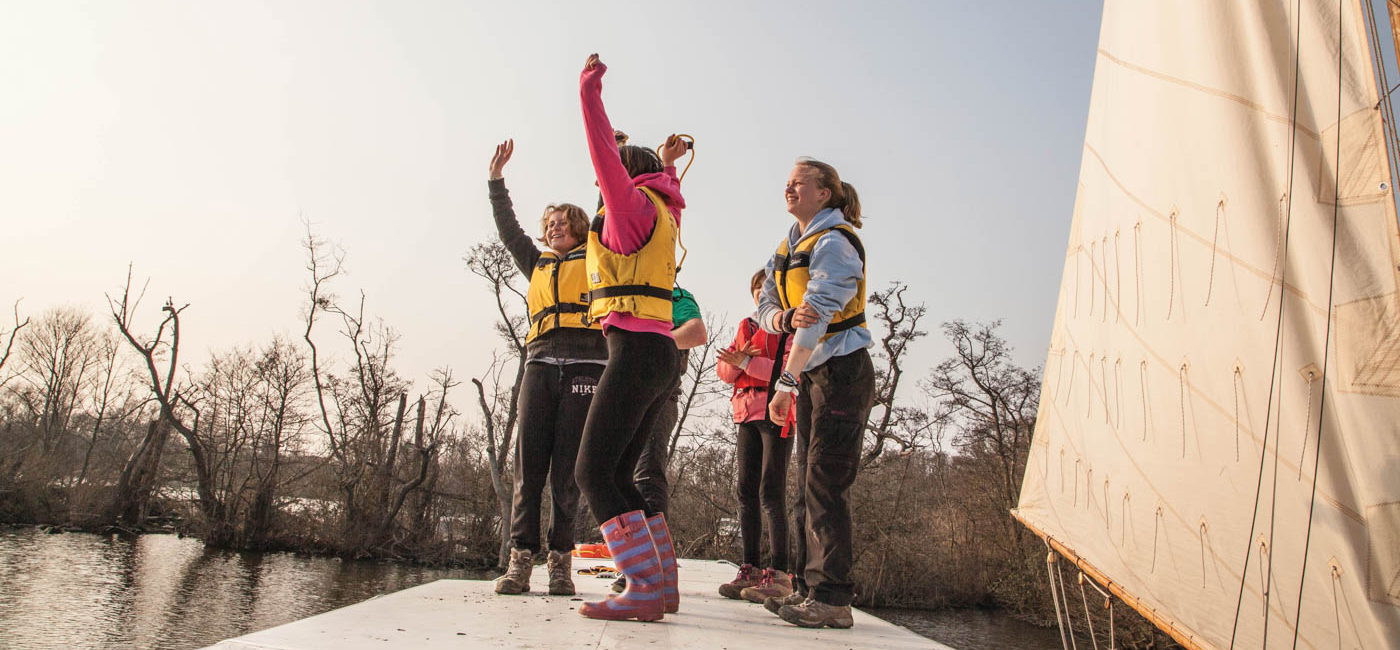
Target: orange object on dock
(591, 550)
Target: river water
(77, 590)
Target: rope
(1103, 254)
(1336, 608)
(1103, 369)
(1069, 622)
(1142, 383)
(1307, 424)
(1236, 383)
(1171, 268)
(1089, 370)
(1281, 248)
(1203, 552)
(1117, 277)
(1137, 266)
(1077, 251)
(690, 146)
(1087, 616)
(1093, 283)
(1156, 522)
(1181, 383)
(1285, 206)
(1118, 390)
(1069, 390)
(1076, 483)
(1214, 240)
(1123, 525)
(1059, 621)
(1326, 348)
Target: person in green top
(689, 331)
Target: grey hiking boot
(775, 603)
(620, 584)
(560, 582)
(517, 577)
(814, 613)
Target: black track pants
(631, 393)
(650, 475)
(554, 402)
(832, 404)
(763, 459)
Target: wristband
(786, 323)
(787, 379)
(784, 388)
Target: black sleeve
(521, 247)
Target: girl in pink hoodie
(631, 267)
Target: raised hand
(674, 148)
(592, 62)
(734, 358)
(498, 161)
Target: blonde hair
(577, 218)
(843, 195)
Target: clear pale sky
(191, 139)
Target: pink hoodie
(630, 214)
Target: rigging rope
(1117, 277)
(1103, 253)
(1050, 571)
(1326, 347)
(1236, 382)
(1214, 241)
(1087, 616)
(1069, 621)
(1307, 425)
(1137, 265)
(1171, 268)
(1282, 246)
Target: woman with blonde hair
(815, 291)
(565, 354)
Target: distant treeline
(319, 444)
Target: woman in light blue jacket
(815, 290)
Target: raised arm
(521, 247)
(619, 195)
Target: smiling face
(804, 194)
(557, 234)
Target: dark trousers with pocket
(631, 393)
(650, 475)
(763, 459)
(833, 401)
(554, 401)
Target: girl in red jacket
(763, 452)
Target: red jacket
(750, 399)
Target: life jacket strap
(561, 308)
(630, 290)
(854, 321)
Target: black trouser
(650, 475)
(630, 396)
(763, 460)
(553, 405)
(832, 404)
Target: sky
(193, 140)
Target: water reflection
(159, 591)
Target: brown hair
(637, 160)
(577, 218)
(757, 280)
(843, 195)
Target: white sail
(1210, 355)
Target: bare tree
(700, 385)
(992, 401)
(58, 355)
(890, 423)
(10, 343)
(500, 411)
(176, 410)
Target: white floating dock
(461, 614)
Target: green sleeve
(683, 307)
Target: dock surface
(462, 614)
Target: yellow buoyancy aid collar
(558, 294)
(792, 271)
(638, 283)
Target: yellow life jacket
(558, 295)
(792, 272)
(639, 283)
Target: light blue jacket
(835, 273)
